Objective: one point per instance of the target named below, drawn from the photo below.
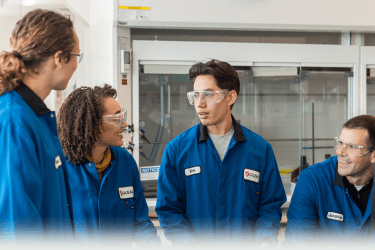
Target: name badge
(58, 162)
(335, 216)
(251, 175)
(126, 192)
(192, 170)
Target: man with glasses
(332, 199)
(219, 181)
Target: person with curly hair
(33, 199)
(105, 195)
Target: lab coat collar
(238, 133)
(35, 103)
(339, 180)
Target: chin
(205, 122)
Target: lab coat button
(52, 116)
(90, 164)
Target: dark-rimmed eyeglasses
(79, 56)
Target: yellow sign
(134, 8)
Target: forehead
(111, 106)
(205, 82)
(355, 136)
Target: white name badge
(58, 162)
(335, 216)
(251, 175)
(126, 192)
(192, 170)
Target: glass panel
(371, 92)
(278, 108)
(164, 114)
(271, 107)
(325, 111)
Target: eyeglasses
(79, 56)
(117, 120)
(207, 97)
(351, 148)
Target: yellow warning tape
(285, 171)
(134, 8)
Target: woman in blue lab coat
(106, 200)
(33, 199)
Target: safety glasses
(207, 97)
(117, 120)
(352, 149)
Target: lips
(202, 114)
(344, 162)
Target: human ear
(232, 97)
(373, 157)
(58, 59)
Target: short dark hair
(79, 121)
(225, 75)
(366, 122)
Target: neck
(97, 154)
(223, 127)
(39, 84)
(359, 180)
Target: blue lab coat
(200, 197)
(33, 199)
(322, 210)
(113, 209)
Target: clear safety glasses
(117, 120)
(79, 56)
(351, 148)
(207, 97)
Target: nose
(340, 150)
(124, 125)
(200, 102)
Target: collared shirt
(360, 197)
(33, 198)
(201, 197)
(32, 99)
(114, 209)
(323, 210)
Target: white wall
(7, 24)
(100, 52)
(80, 8)
(270, 14)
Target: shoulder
(14, 110)
(189, 135)
(254, 139)
(321, 172)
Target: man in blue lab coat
(332, 199)
(219, 181)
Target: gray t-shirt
(221, 142)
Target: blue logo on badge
(150, 170)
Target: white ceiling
(21, 7)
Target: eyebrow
(118, 112)
(206, 90)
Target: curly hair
(36, 37)
(79, 121)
